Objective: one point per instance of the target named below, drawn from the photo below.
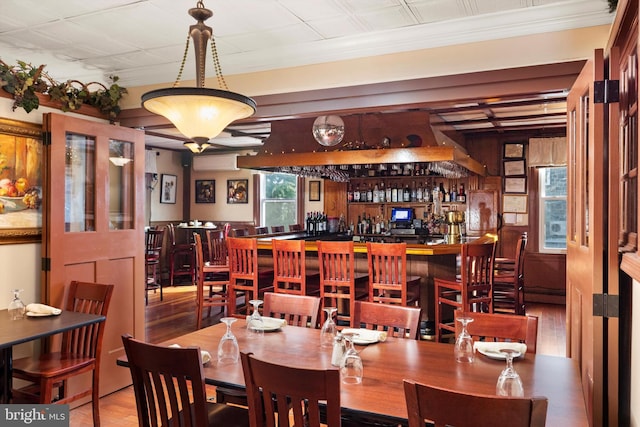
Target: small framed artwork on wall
(168, 187)
(237, 191)
(314, 191)
(515, 185)
(205, 191)
(513, 150)
(514, 167)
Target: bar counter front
(434, 259)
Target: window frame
(541, 214)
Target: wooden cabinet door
(482, 212)
(93, 226)
(335, 198)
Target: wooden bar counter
(424, 260)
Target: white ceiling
(142, 41)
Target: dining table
(380, 395)
(14, 332)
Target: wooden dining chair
(297, 310)
(166, 380)
(501, 327)
(244, 277)
(153, 249)
(508, 281)
(181, 257)
(260, 230)
(398, 321)
(388, 280)
(340, 285)
(80, 352)
(290, 274)
(472, 292)
(215, 277)
(277, 228)
(239, 232)
(444, 407)
(296, 227)
(308, 392)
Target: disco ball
(328, 130)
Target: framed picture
(514, 204)
(21, 155)
(205, 191)
(514, 167)
(168, 187)
(513, 150)
(515, 185)
(314, 191)
(237, 191)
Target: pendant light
(199, 113)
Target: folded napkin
(366, 335)
(269, 323)
(43, 309)
(495, 347)
(204, 354)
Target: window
(278, 199)
(553, 209)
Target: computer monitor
(401, 214)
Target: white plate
(367, 337)
(32, 314)
(270, 324)
(496, 354)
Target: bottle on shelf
(394, 193)
(369, 194)
(381, 192)
(462, 197)
(419, 193)
(376, 194)
(414, 192)
(356, 194)
(406, 194)
(387, 195)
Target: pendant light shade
(199, 113)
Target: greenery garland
(24, 82)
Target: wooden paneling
(545, 278)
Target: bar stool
(277, 228)
(388, 280)
(340, 285)
(295, 227)
(181, 257)
(290, 271)
(153, 240)
(473, 291)
(508, 283)
(244, 277)
(260, 230)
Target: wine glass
(329, 331)
(16, 307)
(463, 349)
(509, 383)
(228, 350)
(255, 324)
(351, 369)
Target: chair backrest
(477, 273)
(93, 298)
(277, 228)
(447, 407)
(521, 247)
(285, 386)
(260, 230)
(298, 310)
(243, 258)
(398, 321)
(239, 232)
(166, 379)
(218, 253)
(153, 242)
(289, 266)
(387, 272)
(337, 281)
(295, 227)
(501, 327)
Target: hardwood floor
(175, 316)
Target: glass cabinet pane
(79, 184)
(121, 182)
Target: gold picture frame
(21, 156)
(314, 191)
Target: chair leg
(95, 397)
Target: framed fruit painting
(20, 181)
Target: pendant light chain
(216, 65)
(184, 59)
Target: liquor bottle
(350, 194)
(381, 192)
(406, 194)
(394, 193)
(387, 195)
(462, 197)
(419, 193)
(369, 194)
(414, 192)
(363, 194)
(356, 194)
(376, 194)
